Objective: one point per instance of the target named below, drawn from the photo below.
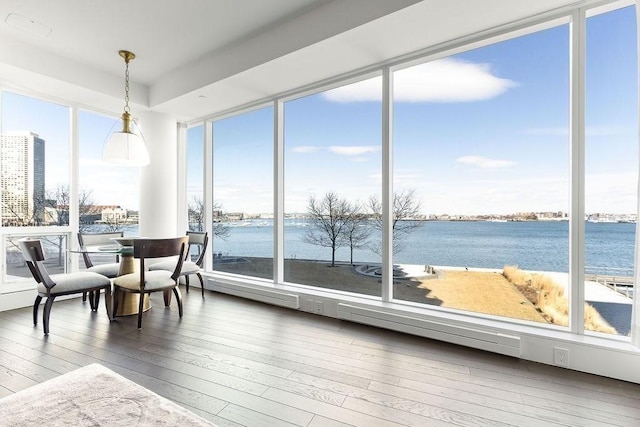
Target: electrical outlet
(307, 305)
(318, 307)
(561, 357)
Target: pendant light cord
(126, 86)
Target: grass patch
(550, 299)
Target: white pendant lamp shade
(126, 148)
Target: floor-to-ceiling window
(332, 187)
(243, 194)
(611, 169)
(481, 179)
(484, 178)
(34, 175)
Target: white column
(159, 179)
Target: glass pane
(481, 179)
(332, 171)
(243, 194)
(55, 253)
(108, 194)
(34, 161)
(611, 177)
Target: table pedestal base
(128, 303)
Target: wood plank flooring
(242, 363)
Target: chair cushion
(109, 270)
(153, 280)
(188, 267)
(75, 282)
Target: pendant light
(126, 147)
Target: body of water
(532, 245)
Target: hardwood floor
(238, 362)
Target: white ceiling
(199, 57)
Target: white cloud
(444, 80)
(305, 149)
(353, 150)
(485, 163)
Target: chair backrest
(92, 239)
(34, 256)
(197, 239)
(160, 248)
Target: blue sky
(484, 131)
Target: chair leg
(116, 301)
(140, 308)
(201, 283)
(84, 296)
(46, 313)
(108, 302)
(91, 296)
(186, 282)
(178, 294)
(96, 300)
(36, 304)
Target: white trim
(635, 311)
(74, 185)
(207, 160)
(278, 191)
(577, 169)
(387, 185)
(182, 217)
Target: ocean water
(534, 245)
(531, 245)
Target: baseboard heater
(484, 340)
(267, 296)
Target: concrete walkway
(613, 306)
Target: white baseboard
(462, 335)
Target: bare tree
(113, 224)
(405, 208)
(86, 210)
(57, 206)
(330, 217)
(357, 230)
(196, 214)
(15, 214)
(196, 218)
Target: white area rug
(93, 396)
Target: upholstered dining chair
(144, 281)
(95, 239)
(197, 240)
(55, 285)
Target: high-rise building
(22, 178)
